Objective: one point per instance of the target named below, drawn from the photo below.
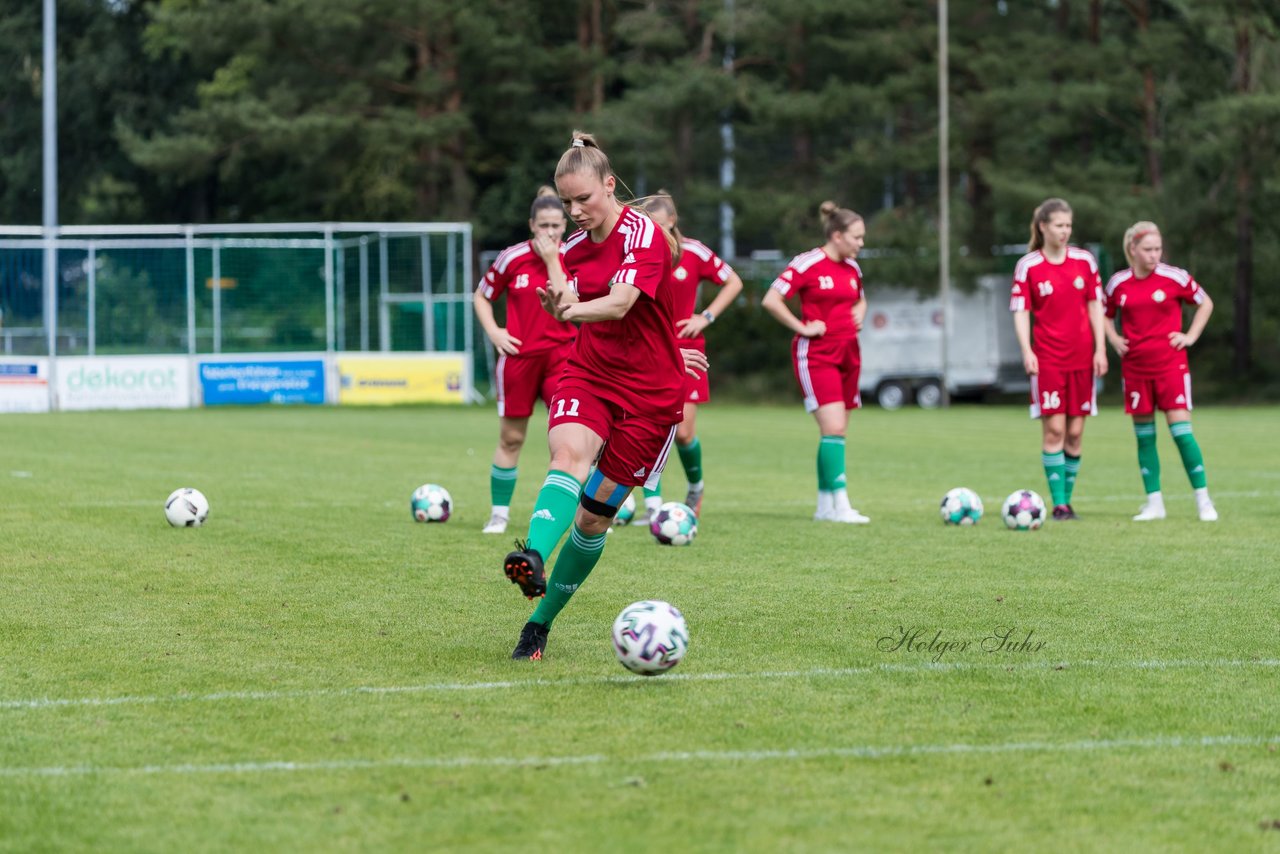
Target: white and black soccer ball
(431, 503)
(674, 524)
(961, 506)
(650, 637)
(186, 508)
(1023, 510)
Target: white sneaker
(1208, 513)
(497, 525)
(1150, 513)
(850, 516)
(824, 516)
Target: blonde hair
(547, 199)
(1046, 209)
(662, 202)
(1133, 236)
(584, 155)
(836, 218)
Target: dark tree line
(248, 110)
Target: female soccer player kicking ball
(620, 397)
(1149, 297)
(825, 351)
(532, 348)
(1057, 289)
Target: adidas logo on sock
(544, 514)
(1197, 468)
(566, 588)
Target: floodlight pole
(944, 196)
(49, 83)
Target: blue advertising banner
(261, 381)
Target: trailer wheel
(892, 395)
(929, 395)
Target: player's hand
(1180, 340)
(695, 362)
(858, 317)
(813, 329)
(552, 302)
(1031, 364)
(1120, 345)
(1100, 364)
(548, 248)
(505, 342)
(692, 326)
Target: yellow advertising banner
(425, 378)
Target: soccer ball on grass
(674, 524)
(650, 637)
(186, 508)
(431, 503)
(961, 506)
(1023, 510)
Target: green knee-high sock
(1072, 467)
(573, 565)
(691, 459)
(656, 492)
(1189, 448)
(1055, 471)
(1148, 456)
(502, 485)
(831, 463)
(553, 511)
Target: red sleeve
(1018, 297)
(788, 283)
(494, 283)
(714, 270)
(1191, 292)
(644, 267)
(1111, 303)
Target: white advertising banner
(123, 382)
(24, 384)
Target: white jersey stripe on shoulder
(1025, 263)
(805, 260)
(1118, 279)
(511, 253)
(1178, 274)
(1083, 255)
(574, 239)
(698, 248)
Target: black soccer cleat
(524, 567)
(1064, 513)
(533, 640)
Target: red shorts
(1170, 390)
(1058, 392)
(635, 448)
(827, 370)
(695, 390)
(522, 380)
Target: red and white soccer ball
(431, 503)
(650, 637)
(186, 508)
(1023, 510)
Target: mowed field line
(40, 703)
(795, 754)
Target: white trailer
(901, 342)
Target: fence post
(328, 289)
(93, 298)
(217, 296)
(364, 293)
(384, 287)
(428, 305)
(191, 290)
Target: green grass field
(314, 670)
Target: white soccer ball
(674, 524)
(961, 506)
(1023, 510)
(431, 503)
(186, 508)
(650, 637)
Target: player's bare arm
(612, 306)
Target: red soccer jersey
(519, 272)
(697, 264)
(634, 361)
(1058, 297)
(1150, 309)
(828, 291)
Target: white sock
(695, 487)
(826, 503)
(652, 504)
(500, 510)
(1202, 496)
(1155, 500)
(841, 500)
